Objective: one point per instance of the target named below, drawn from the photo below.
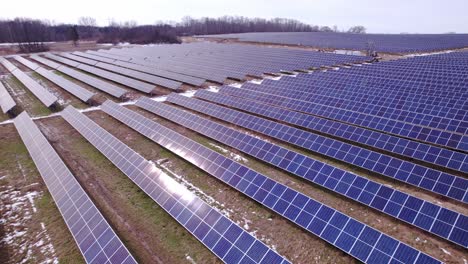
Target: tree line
(31, 33)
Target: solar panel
(166, 74)
(219, 234)
(47, 62)
(404, 147)
(40, 92)
(403, 129)
(392, 202)
(90, 80)
(95, 238)
(440, 119)
(391, 43)
(78, 91)
(78, 58)
(6, 102)
(355, 238)
(33, 66)
(132, 83)
(427, 178)
(132, 73)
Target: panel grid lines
(93, 237)
(326, 176)
(196, 216)
(261, 188)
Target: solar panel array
(163, 73)
(132, 83)
(420, 213)
(95, 238)
(207, 61)
(40, 92)
(428, 134)
(124, 71)
(78, 91)
(390, 144)
(400, 106)
(347, 234)
(417, 175)
(99, 84)
(223, 237)
(6, 102)
(393, 43)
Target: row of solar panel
(438, 118)
(99, 84)
(385, 95)
(390, 144)
(349, 235)
(420, 133)
(214, 62)
(223, 237)
(92, 233)
(78, 91)
(419, 176)
(328, 92)
(47, 98)
(6, 101)
(132, 83)
(396, 43)
(95, 238)
(420, 213)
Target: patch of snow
(256, 81)
(233, 156)
(446, 251)
(236, 85)
(159, 98)
(189, 93)
(213, 89)
(190, 259)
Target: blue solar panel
(298, 208)
(392, 43)
(408, 130)
(417, 175)
(219, 234)
(439, 118)
(95, 238)
(419, 151)
(352, 186)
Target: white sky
(378, 16)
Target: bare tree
(357, 30)
(87, 21)
(326, 29)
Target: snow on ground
(237, 85)
(190, 259)
(233, 156)
(189, 93)
(159, 98)
(213, 89)
(446, 251)
(17, 210)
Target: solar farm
(389, 43)
(209, 152)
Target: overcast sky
(378, 16)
